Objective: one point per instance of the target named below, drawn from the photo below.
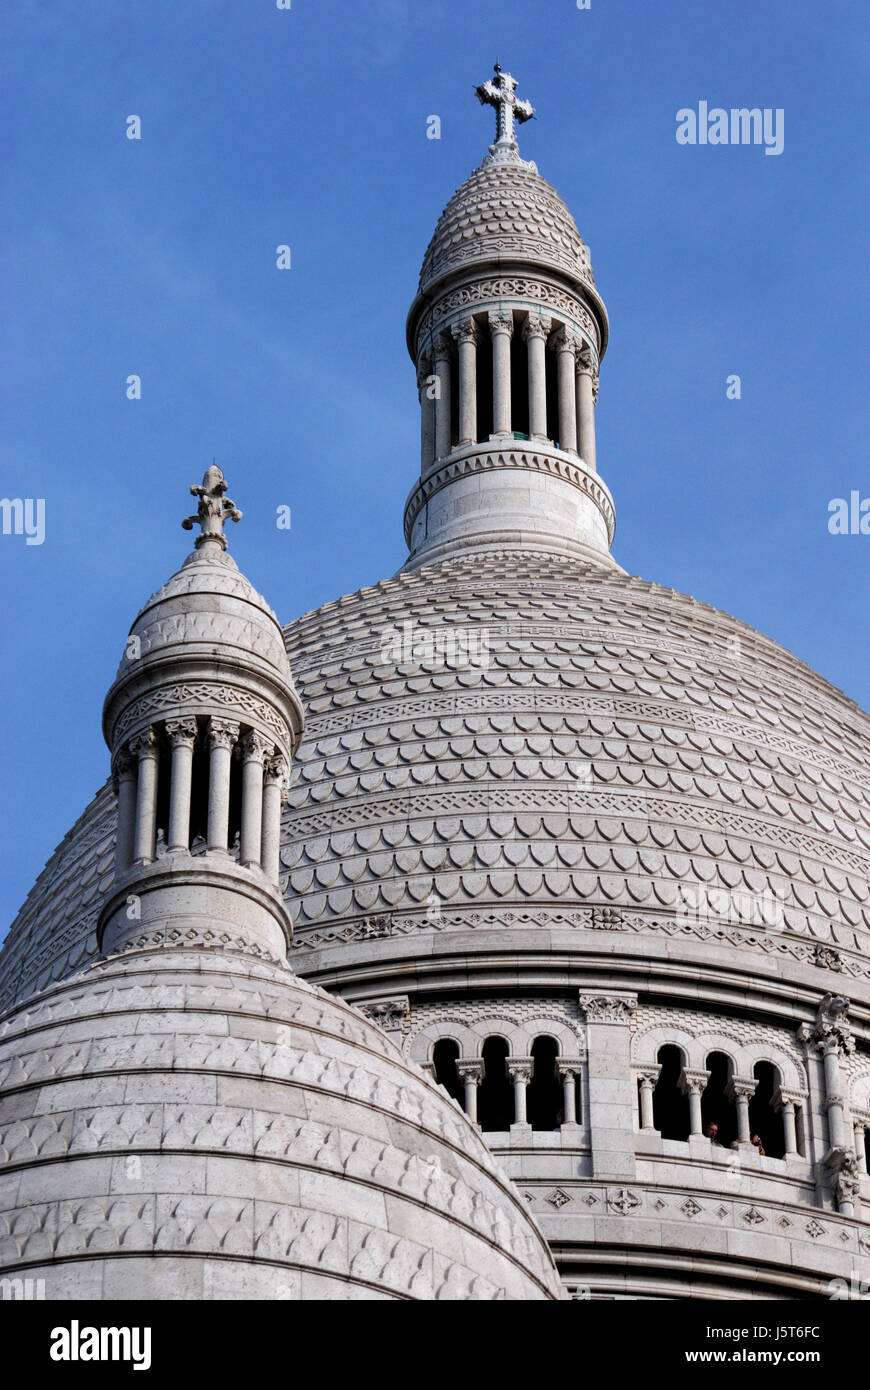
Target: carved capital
(181, 731)
(500, 322)
(564, 340)
(783, 1099)
(520, 1069)
(608, 1008)
(222, 733)
(569, 1066)
(648, 1076)
(536, 325)
(586, 363)
(424, 370)
(741, 1086)
(123, 766)
(145, 745)
(470, 1069)
(693, 1083)
(465, 331)
(831, 1031)
(389, 1014)
(255, 746)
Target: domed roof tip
(505, 210)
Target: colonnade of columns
(137, 770)
(470, 1071)
(576, 382)
(740, 1091)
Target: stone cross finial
(508, 109)
(213, 510)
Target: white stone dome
(505, 211)
(186, 1123)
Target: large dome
(189, 1124)
(505, 212)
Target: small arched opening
(544, 1102)
(495, 1108)
(717, 1108)
(764, 1121)
(670, 1106)
(445, 1055)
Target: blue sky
(307, 127)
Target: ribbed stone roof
(205, 1125)
(505, 211)
(623, 742)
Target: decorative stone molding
(519, 290)
(608, 1008)
(481, 458)
(624, 1200)
(828, 958)
(198, 695)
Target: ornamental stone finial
(508, 109)
(213, 510)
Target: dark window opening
(235, 822)
(552, 398)
(763, 1119)
(484, 383)
(519, 384)
(670, 1106)
(495, 1107)
(454, 399)
(544, 1099)
(199, 795)
(164, 778)
(716, 1107)
(444, 1057)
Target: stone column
(536, 330)
(519, 1070)
(860, 1122)
(827, 1040)
(740, 1090)
(273, 795)
(146, 748)
(465, 333)
(566, 346)
(442, 399)
(612, 1098)
(125, 785)
(470, 1073)
(569, 1069)
(427, 412)
(835, 1107)
(182, 734)
(501, 326)
(693, 1084)
(785, 1102)
(222, 735)
(254, 749)
(586, 385)
(648, 1078)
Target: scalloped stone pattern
(508, 211)
(181, 1125)
(625, 743)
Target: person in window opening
(712, 1133)
(757, 1144)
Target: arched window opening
(495, 1106)
(718, 1116)
(164, 780)
(199, 797)
(670, 1106)
(444, 1057)
(544, 1102)
(866, 1145)
(764, 1121)
(235, 816)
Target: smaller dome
(204, 1125)
(506, 211)
(207, 604)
